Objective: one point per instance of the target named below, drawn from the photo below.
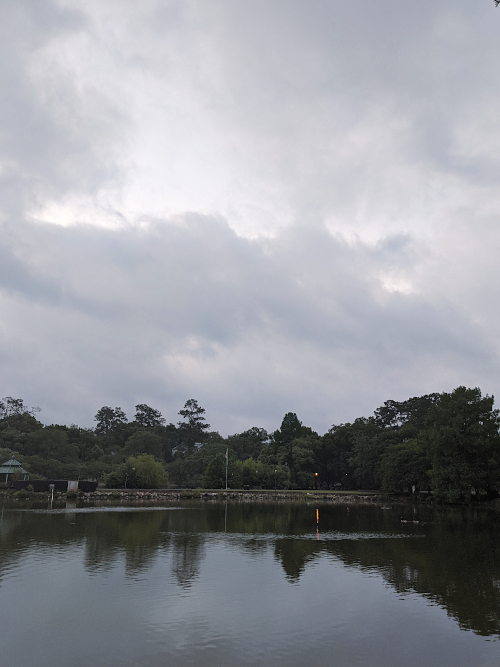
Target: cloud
(250, 328)
(56, 136)
(265, 206)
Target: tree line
(447, 444)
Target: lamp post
(316, 481)
(133, 470)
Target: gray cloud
(251, 328)
(266, 206)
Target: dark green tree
(291, 428)
(393, 414)
(333, 456)
(249, 443)
(111, 426)
(193, 429)
(145, 441)
(252, 473)
(215, 473)
(405, 465)
(303, 458)
(393, 423)
(171, 441)
(369, 444)
(109, 419)
(282, 440)
(50, 443)
(22, 423)
(463, 445)
(148, 417)
(86, 443)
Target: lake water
(249, 584)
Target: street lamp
(316, 481)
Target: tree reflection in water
(452, 557)
(187, 554)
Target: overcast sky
(266, 205)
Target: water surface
(258, 584)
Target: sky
(270, 207)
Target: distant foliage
(445, 444)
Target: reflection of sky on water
(148, 588)
(332, 617)
(238, 610)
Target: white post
(226, 469)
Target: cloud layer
(265, 206)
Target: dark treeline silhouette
(447, 444)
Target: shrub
(138, 472)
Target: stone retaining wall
(155, 495)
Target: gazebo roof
(11, 466)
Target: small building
(11, 467)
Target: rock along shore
(170, 495)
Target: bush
(138, 472)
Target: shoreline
(154, 496)
(234, 495)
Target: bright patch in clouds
(264, 206)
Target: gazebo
(11, 467)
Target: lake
(215, 584)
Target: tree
(150, 473)
(463, 445)
(138, 472)
(215, 473)
(405, 465)
(171, 440)
(252, 473)
(283, 439)
(14, 416)
(50, 443)
(291, 428)
(302, 471)
(193, 429)
(333, 456)
(148, 417)
(393, 414)
(369, 443)
(111, 426)
(249, 443)
(84, 439)
(394, 423)
(144, 441)
(15, 406)
(109, 419)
